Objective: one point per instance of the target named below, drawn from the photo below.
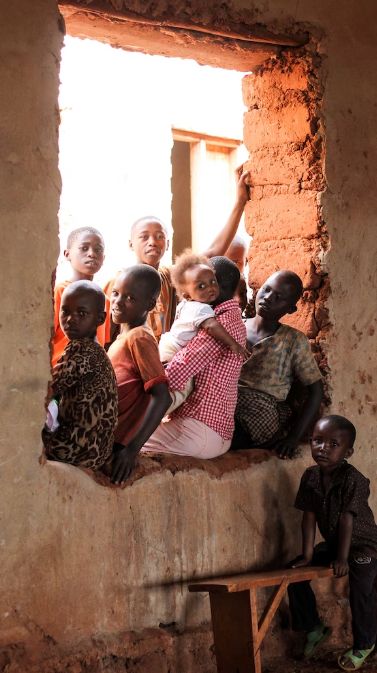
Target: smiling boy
(334, 496)
(143, 395)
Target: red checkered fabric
(216, 371)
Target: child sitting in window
(83, 383)
(334, 496)
(85, 251)
(196, 283)
(143, 394)
(279, 355)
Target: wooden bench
(238, 633)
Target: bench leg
(235, 625)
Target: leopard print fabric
(85, 386)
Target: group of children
(197, 379)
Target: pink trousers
(187, 437)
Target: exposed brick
(263, 129)
(256, 87)
(291, 164)
(297, 255)
(283, 216)
(303, 319)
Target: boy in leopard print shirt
(83, 383)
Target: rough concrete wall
(80, 562)
(100, 565)
(30, 43)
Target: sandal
(314, 639)
(350, 661)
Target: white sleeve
(202, 313)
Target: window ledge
(162, 462)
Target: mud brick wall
(285, 138)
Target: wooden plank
(262, 579)
(269, 612)
(257, 663)
(238, 31)
(232, 631)
(192, 136)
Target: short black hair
(147, 218)
(147, 276)
(342, 423)
(75, 233)
(88, 287)
(227, 273)
(294, 281)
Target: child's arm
(308, 526)
(224, 238)
(218, 332)
(340, 565)
(125, 456)
(286, 448)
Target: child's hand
(123, 464)
(340, 567)
(240, 350)
(287, 448)
(301, 563)
(243, 185)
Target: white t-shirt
(188, 318)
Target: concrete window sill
(159, 463)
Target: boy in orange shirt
(85, 251)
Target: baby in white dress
(196, 283)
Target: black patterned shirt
(348, 492)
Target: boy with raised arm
(83, 383)
(333, 495)
(149, 241)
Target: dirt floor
(324, 663)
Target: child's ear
(101, 317)
(292, 309)
(152, 304)
(349, 452)
(167, 244)
(185, 295)
(130, 244)
(66, 254)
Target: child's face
(275, 298)
(86, 254)
(200, 284)
(149, 242)
(330, 444)
(79, 315)
(130, 302)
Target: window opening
(135, 130)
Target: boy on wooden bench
(334, 496)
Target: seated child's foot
(315, 638)
(352, 660)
